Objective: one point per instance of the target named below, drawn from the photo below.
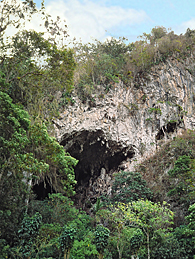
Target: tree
(120, 232)
(36, 68)
(191, 218)
(150, 217)
(99, 63)
(66, 240)
(128, 187)
(16, 166)
(15, 14)
(60, 165)
(97, 206)
(14, 123)
(27, 152)
(183, 175)
(20, 12)
(35, 153)
(190, 230)
(157, 33)
(36, 71)
(169, 247)
(136, 241)
(27, 234)
(84, 249)
(101, 239)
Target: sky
(100, 19)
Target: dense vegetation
(37, 79)
(115, 60)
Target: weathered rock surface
(129, 123)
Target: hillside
(97, 143)
(129, 124)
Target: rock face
(128, 124)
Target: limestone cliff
(127, 125)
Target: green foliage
(136, 241)
(84, 249)
(157, 33)
(149, 119)
(19, 12)
(152, 218)
(83, 223)
(98, 205)
(99, 63)
(16, 166)
(191, 218)
(184, 145)
(34, 153)
(27, 153)
(33, 70)
(147, 214)
(182, 165)
(46, 243)
(128, 187)
(60, 165)
(57, 209)
(28, 233)
(30, 226)
(120, 232)
(66, 240)
(108, 217)
(37, 73)
(137, 227)
(183, 188)
(185, 235)
(14, 122)
(121, 241)
(190, 230)
(169, 247)
(101, 238)
(185, 241)
(4, 249)
(163, 160)
(112, 61)
(155, 110)
(36, 70)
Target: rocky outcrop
(128, 124)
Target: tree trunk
(148, 244)
(67, 254)
(120, 249)
(101, 256)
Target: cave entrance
(42, 190)
(98, 157)
(171, 127)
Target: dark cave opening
(170, 128)
(160, 135)
(94, 152)
(42, 190)
(91, 166)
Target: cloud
(89, 20)
(185, 25)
